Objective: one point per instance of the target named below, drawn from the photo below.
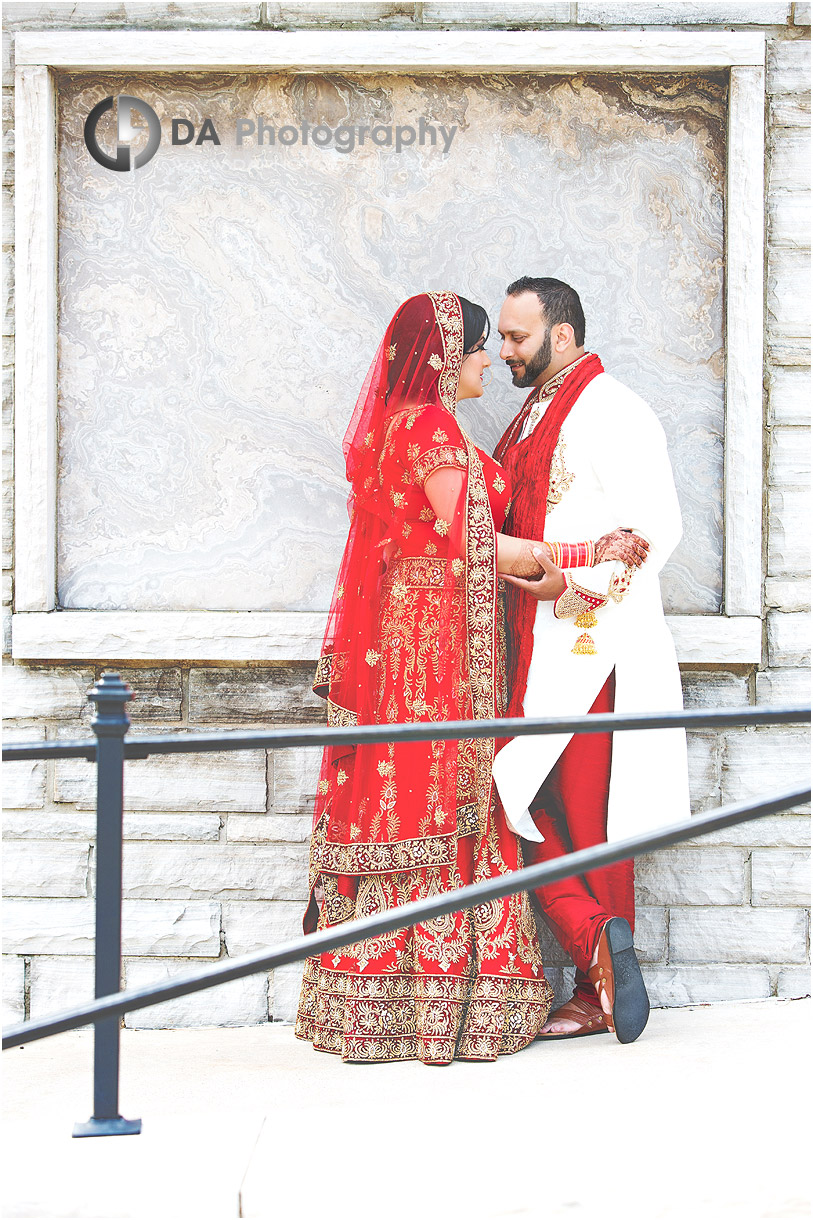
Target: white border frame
(39, 632)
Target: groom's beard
(536, 365)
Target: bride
(415, 634)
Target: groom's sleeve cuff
(576, 600)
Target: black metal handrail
(109, 750)
(448, 730)
(344, 934)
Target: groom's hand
(550, 585)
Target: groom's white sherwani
(610, 468)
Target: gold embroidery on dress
(560, 477)
(433, 459)
(340, 717)
(449, 317)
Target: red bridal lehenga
(415, 634)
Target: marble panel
(220, 306)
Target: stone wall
(215, 849)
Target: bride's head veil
(418, 362)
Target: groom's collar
(553, 383)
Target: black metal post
(110, 724)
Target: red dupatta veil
(413, 377)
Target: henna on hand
(622, 544)
(526, 565)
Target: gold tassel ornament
(587, 618)
(584, 646)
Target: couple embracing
(474, 587)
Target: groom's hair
(560, 302)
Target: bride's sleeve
(431, 441)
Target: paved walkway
(704, 1118)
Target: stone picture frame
(41, 632)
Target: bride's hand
(525, 564)
(622, 544)
(549, 585)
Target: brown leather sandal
(617, 975)
(591, 1020)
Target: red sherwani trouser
(570, 810)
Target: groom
(584, 453)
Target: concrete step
(702, 1117)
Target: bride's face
(474, 365)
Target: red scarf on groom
(528, 464)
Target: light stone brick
(789, 219)
(47, 870)
(302, 15)
(790, 110)
(495, 16)
(692, 877)
(790, 456)
(7, 259)
(775, 830)
(789, 160)
(714, 688)
(788, 296)
(704, 770)
(789, 531)
(675, 986)
(251, 926)
(780, 878)
(783, 686)
(67, 927)
(801, 12)
(269, 696)
(725, 14)
(284, 986)
(562, 980)
(790, 353)
(24, 780)
(60, 982)
(737, 934)
(172, 827)
(650, 933)
(758, 762)
(157, 693)
(46, 694)
(183, 14)
(50, 826)
(216, 870)
(552, 952)
(240, 1002)
(229, 782)
(67, 824)
(788, 639)
(789, 463)
(788, 595)
(788, 65)
(13, 989)
(8, 598)
(793, 984)
(269, 828)
(296, 774)
(8, 205)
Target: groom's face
(526, 346)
